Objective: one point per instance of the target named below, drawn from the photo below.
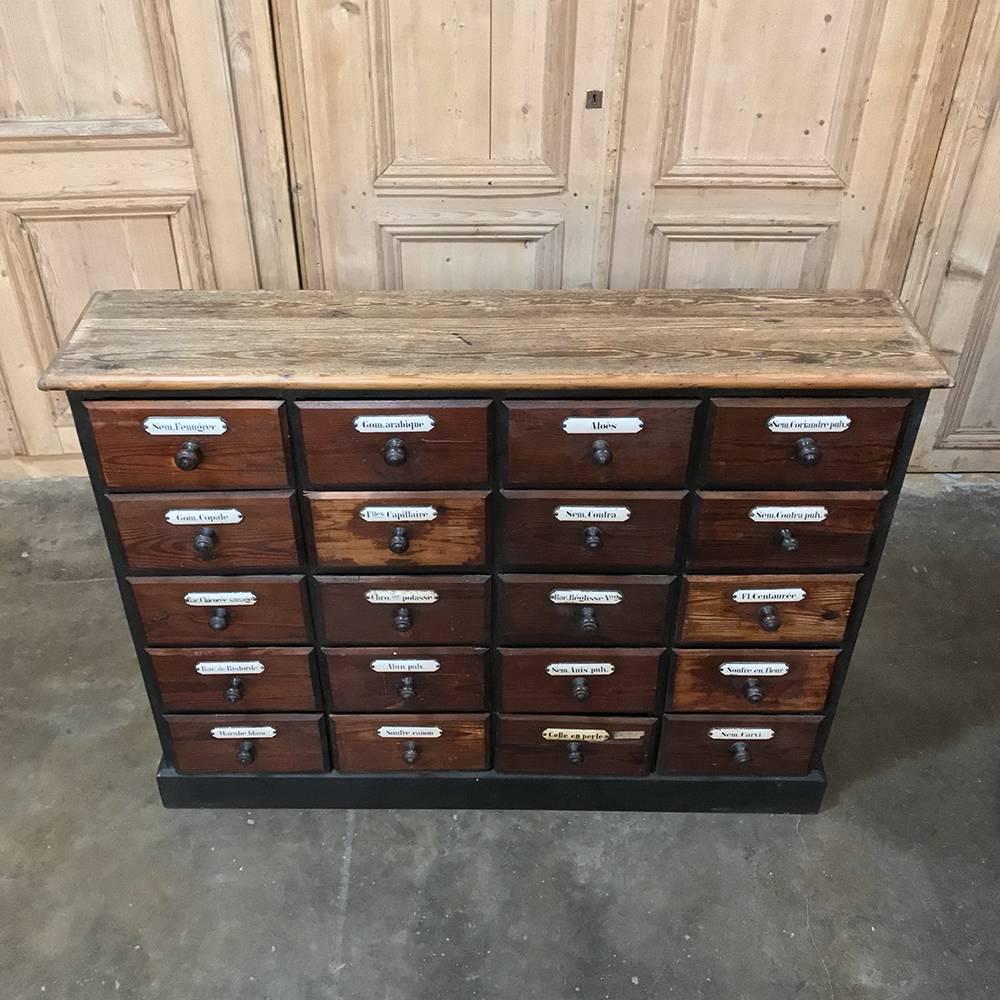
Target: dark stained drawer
(599, 442)
(396, 443)
(575, 744)
(737, 744)
(248, 743)
(803, 442)
(580, 529)
(772, 610)
(416, 610)
(427, 529)
(235, 678)
(222, 610)
(802, 530)
(191, 445)
(579, 680)
(574, 610)
(207, 531)
(410, 742)
(752, 680)
(407, 679)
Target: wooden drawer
(737, 744)
(410, 742)
(579, 680)
(568, 744)
(235, 678)
(580, 529)
(410, 679)
(199, 531)
(429, 530)
(783, 530)
(745, 450)
(179, 610)
(248, 453)
(573, 610)
(417, 610)
(752, 680)
(241, 743)
(609, 443)
(768, 611)
(387, 443)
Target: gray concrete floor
(891, 892)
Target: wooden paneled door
(140, 146)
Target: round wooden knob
(219, 620)
(234, 692)
(600, 451)
(410, 752)
(787, 541)
(394, 451)
(406, 688)
(188, 456)
(592, 538)
(402, 620)
(574, 752)
(399, 541)
(246, 753)
(740, 752)
(769, 620)
(580, 688)
(588, 619)
(753, 692)
(204, 543)
(807, 451)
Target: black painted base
(488, 790)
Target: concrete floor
(891, 892)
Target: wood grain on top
(130, 340)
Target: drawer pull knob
(205, 542)
(588, 619)
(234, 692)
(601, 452)
(753, 692)
(410, 752)
(574, 752)
(245, 753)
(807, 451)
(402, 620)
(581, 689)
(769, 620)
(399, 541)
(219, 621)
(592, 538)
(394, 451)
(788, 542)
(741, 753)
(406, 688)
(188, 456)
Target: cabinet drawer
(199, 531)
(599, 443)
(752, 680)
(765, 441)
(415, 679)
(241, 743)
(190, 445)
(352, 530)
(580, 529)
(417, 610)
(413, 442)
(410, 742)
(222, 610)
(575, 744)
(783, 530)
(595, 610)
(766, 610)
(243, 678)
(737, 744)
(579, 680)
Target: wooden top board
(494, 340)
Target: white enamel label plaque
(221, 599)
(578, 735)
(788, 515)
(227, 515)
(602, 425)
(397, 423)
(398, 513)
(769, 595)
(401, 596)
(592, 513)
(399, 665)
(409, 732)
(580, 669)
(244, 732)
(211, 667)
(741, 733)
(586, 597)
(812, 424)
(172, 426)
(753, 669)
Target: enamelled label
(244, 732)
(202, 426)
(769, 595)
(777, 515)
(602, 425)
(592, 513)
(394, 423)
(228, 515)
(826, 424)
(221, 599)
(399, 665)
(585, 596)
(740, 733)
(751, 669)
(398, 513)
(401, 596)
(409, 732)
(209, 667)
(580, 669)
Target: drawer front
(353, 530)
(417, 610)
(576, 610)
(199, 531)
(396, 443)
(765, 441)
(575, 744)
(608, 443)
(580, 529)
(249, 452)
(410, 742)
(766, 610)
(751, 680)
(235, 678)
(205, 610)
(248, 743)
(737, 744)
(401, 679)
(783, 530)
(579, 680)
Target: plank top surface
(494, 340)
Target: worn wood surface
(531, 340)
